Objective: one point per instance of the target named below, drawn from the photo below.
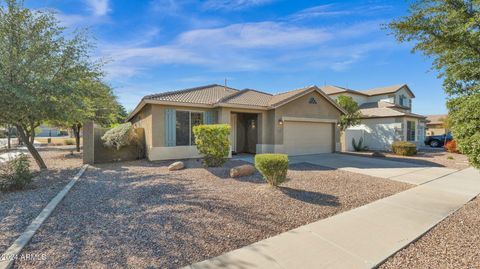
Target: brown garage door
(300, 138)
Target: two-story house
(386, 116)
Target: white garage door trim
(305, 137)
(309, 119)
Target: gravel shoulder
(140, 215)
(19, 208)
(453, 243)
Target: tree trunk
(32, 136)
(76, 132)
(31, 148)
(9, 133)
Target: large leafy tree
(39, 69)
(97, 103)
(449, 33)
(352, 117)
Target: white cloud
(233, 4)
(255, 35)
(337, 10)
(268, 45)
(98, 7)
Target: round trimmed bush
(212, 142)
(120, 136)
(273, 167)
(404, 148)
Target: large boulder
(176, 166)
(242, 170)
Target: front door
(251, 133)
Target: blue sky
(271, 45)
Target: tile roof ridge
(185, 90)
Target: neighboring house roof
(387, 90)
(331, 90)
(386, 112)
(436, 119)
(216, 96)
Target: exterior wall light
(280, 121)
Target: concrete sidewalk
(360, 238)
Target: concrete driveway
(400, 171)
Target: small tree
(449, 33)
(212, 142)
(97, 103)
(39, 68)
(352, 117)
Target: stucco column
(88, 142)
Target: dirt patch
(140, 215)
(19, 208)
(454, 243)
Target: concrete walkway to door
(360, 238)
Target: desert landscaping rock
(138, 215)
(453, 243)
(19, 208)
(242, 170)
(176, 166)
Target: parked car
(436, 141)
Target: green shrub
(15, 174)
(120, 136)
(69, 142)
(358, 146)
(404, 148)
(212, 142)
(273, 167)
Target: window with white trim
(411, 130)
(184, 126)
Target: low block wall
(94, 150)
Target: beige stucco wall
(435, 129)
(360, 99)
(144, 120)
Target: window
(312, 101)
(185, 121)
(410, 130)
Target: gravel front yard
(445, 159)
(453, 243)
(18, 209)
(138, 215)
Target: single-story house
(435, 124)
(301, 121)
(386, 116)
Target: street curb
(8, 257)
